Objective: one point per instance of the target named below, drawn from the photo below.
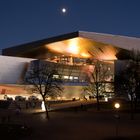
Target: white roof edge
(120, 41)
(107, 34)
(16, 57)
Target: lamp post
(117, 117)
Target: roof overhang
(97, 45)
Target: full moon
(64, 10)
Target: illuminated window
(75, 78)
(55, 76)
(71, 77)
(66, 77)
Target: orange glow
(76, 47)
(83, 48)
(57, 47)
(73, 47)
(85, 55)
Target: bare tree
(45, 79)
(128, 80)
(98, 77)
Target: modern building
(77, 53)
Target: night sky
(23, 21)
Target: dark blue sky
(22, 21)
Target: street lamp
(117, 106)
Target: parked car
(33, 98)
(20, 98)
(9, 99)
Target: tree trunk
(46, 109)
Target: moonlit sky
(23, 21)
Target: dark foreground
(78, 125)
